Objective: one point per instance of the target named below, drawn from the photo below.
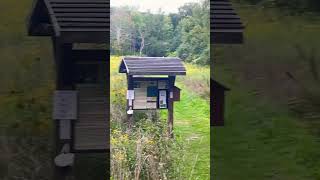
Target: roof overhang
(170, 66)
(226, 26)
(71, 21)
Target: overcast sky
(168, 6)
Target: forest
(184, 34)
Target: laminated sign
(65, 105)
(163, 99)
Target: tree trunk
(142, 41)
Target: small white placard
(163, 99)
(130, 102)
(171, 94)
(65, 104)
(130, 94)
(65, 129)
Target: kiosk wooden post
(129, 102)
(170, 106)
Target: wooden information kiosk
(151, 84)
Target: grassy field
(191, 120)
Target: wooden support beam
(170, 106)
(63, 63)
(129, 116)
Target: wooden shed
(226, 26)
(79, 30)
(151, 84)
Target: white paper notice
(130, 94)
(163, 99)
(65, 104)
(65, 129)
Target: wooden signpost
(81, 100)
(151, 84)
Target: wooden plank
(80, 1)
(226, 21)
(154, 64)
(222, 7)
(83, 24)
(227, 30)
(147, 66)
(215, 11)
(92, 127)
(227, 26)
(85, 15)
(168, 69)
(158, 73)
(53, 19)
(92, 137)
(95, 108)
(82, 19)
(81, 10)
(218, 3)
(84, 30)
(152, 58)
(80, 5)
(224, 16)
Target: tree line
(185, 34)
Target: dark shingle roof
(152, 66)
(226, 26)
(72, 20)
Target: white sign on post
(163, 99)
(130, 94)
(65, 129)
(65, 105)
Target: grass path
(193, 126)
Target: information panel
(147, 94)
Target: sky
(167, 6)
